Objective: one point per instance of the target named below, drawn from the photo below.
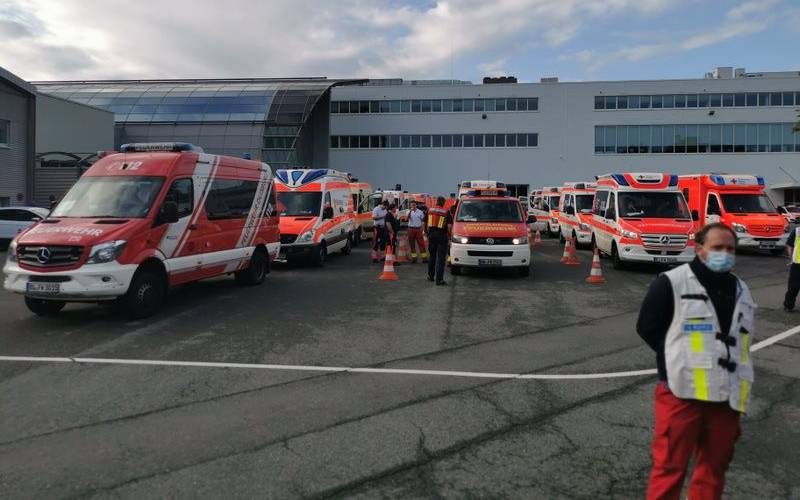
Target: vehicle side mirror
(531, 219)
(35, 219)
(695, 215)
(168, 213)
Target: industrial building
(430, 135)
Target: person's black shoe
(440, 283)
(788, 310)
(430, 279)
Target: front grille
(496, 241)
(664, 240)
(774, 240)
(50, 279)
(765, 229)
(663, 252)
(288, 239)
(487, 253)
(49, 255)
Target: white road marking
(384, 371)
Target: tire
(525, 271)
(256, 271)
(145, 295)
(616, 261)
(455, 270)
(348, 245)
(318, 259)
(44, 307)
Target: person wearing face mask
(793, 288)
(699, 319)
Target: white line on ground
(386, 371)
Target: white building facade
(428, 137)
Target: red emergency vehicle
(575, 212)
(139, 221)
(740, 203)
(642, 217)
(490, 230)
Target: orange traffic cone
(572, 257)
(388, 273)
(403, 250)
(596, 274)
(537, 240)
(565, 256)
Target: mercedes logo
(490, 241)
(43, 255)
(664, 240)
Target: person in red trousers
(416, 229)
(699, 319)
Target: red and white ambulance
(575, 212)
(317, 217)
(363, 203)
(551, 199)
(490, 230)
(139, 221)
(642, 217)
(537, 209)
(739, 202)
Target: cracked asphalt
(121, 431)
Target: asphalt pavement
(90, 430)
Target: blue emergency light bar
(720, 180)
(149, 147)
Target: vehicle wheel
(348, 246)
(616, 261)
(145, 295)
(256, 271)
(525, 271)
(44, 307)
(455, 270)
(318, 259)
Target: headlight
(106, 252)
(739, 228)
(12, 251)
(460, 239)
(585, 227)
(520, 241)
(630, 235)
(307, 236)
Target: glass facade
(437, 105)
(706, 100)
(724, 138)
(263, 118)
(422, 141)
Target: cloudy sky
(463, 39)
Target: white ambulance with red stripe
(551, 199)
(575, 212)
(642, 217)
(316, 208)
(139, 221)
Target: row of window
(435, 141)
(728, 138)
(5, 133)
(437, 105)
(728, 100)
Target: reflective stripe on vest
(796, 252)
(437, 218)
(694, 347)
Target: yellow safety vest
(701, 362)
(796, 249)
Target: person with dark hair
(393, 226)
(380, 237)
(438, 231)
(793, 287)
(699, 319)
(416, 225)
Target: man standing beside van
(794, 270)
(439, 222)
(699, 319)
(416, 225)
(380, 238)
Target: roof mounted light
(149, 147)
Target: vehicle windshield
(489, 211)
(299, 204)
(114, 196)
(748, 204)
(584, 202)
(653, 205)
(554, 201)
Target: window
(680, 101)
(776, 99)
(622, 102)
(386, 107)
(600, 203)
(599, 102)
(715, 100)
(437, 141)
(354, 141)
(633, 139)
(611, 139)
(405, 107)
(691, 101)
(633, 102)
(478, 104)
(374, 141)
(447, 106)
(458, 141)
(716, 138)
(702, 101)
(763, 99)
(500, 104)
(395, 106)
(533, 103)
(511, 140)
(680, 138)
(395, 141)
(669, 101)
(477, 139)
(500, 140)
(752, 99)
(406, 141)
(611, 102)
(644, 139)
(598, 139)
(447, 141)
(739, 138)
(374, 106)
(611, 211)
(489, 105)
(363, 141)
(712, 206)
(363, 106)
(415, 141)
(458, 105)
(763, 137)
(669, 139)
(416, 106)
(468, 105)
(703, 138)
(334, 107)
(5, 133)
(644, 102)
(775, 138)
(533, 140)
(436, 106)
(344, 141)
(468, 142)
(425, 106)
(727, 100)
(522, 140)
(691, 138)
(752, 138)
(788, 99)
(788, 138)
(489, 140)
(230, 198)
(334, 142)
(739, 100)
(727, 138)
(658, 102)
(426, 141)
(522, 105)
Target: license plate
(665, 260)
(36, 288)
(490, 262)
(766, 244)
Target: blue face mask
(720, 262)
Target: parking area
(438, 414)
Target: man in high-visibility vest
(438, 231)
(699, 319)
(793, 288)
